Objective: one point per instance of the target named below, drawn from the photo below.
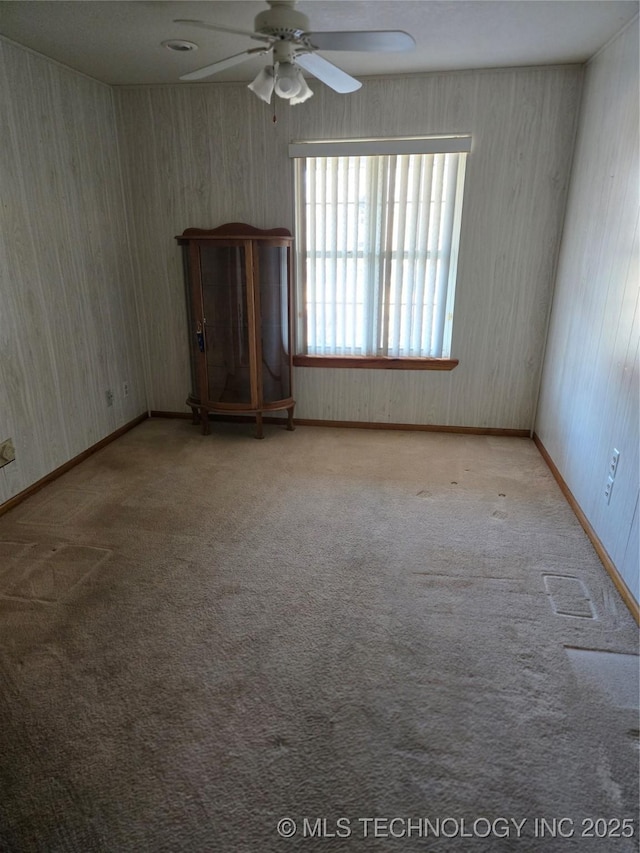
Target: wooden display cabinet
(240, 324)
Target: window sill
(375, 362)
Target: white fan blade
(377, 40)
(328, 73)
(205, 26)
(229, 62)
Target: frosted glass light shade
(263, 84)
(304, 92)
(287, 82)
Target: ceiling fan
(285, 34)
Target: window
(377, 227)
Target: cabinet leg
(204, 419)
(259, 433)
(195, 415)
(290, 425)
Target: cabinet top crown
(233, 229)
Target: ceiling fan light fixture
(264, 84)
(290, 85)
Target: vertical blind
(377, 238)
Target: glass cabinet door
(273, 282)
(226, 324)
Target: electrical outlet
(109, 396)
(125, 389)
(608, 489)
(613, 463)
(7, 452)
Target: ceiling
(119, 42)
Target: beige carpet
(203, 635)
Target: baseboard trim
(463, 430)
(601, 551)
(512, 433)
(39, 484)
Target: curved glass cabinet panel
(276, 367)
(226, 324)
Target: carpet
(327, 640)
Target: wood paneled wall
(589, 398)
(68, 324)
(200, 155)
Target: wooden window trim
(369, 362)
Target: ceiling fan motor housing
(282, 21)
